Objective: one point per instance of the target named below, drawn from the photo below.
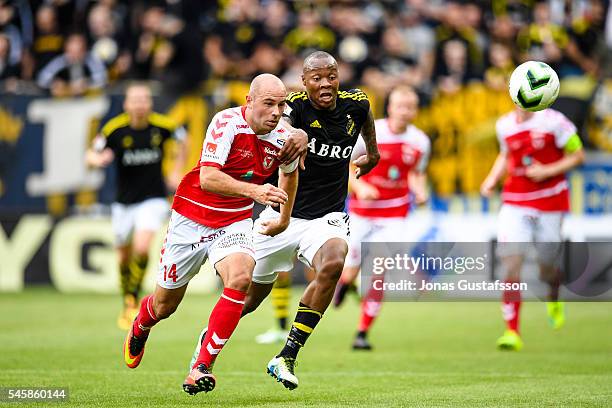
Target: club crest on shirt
(408, 154)
(267, 162)
(537, 139)
(127, 141)
(350, 125)
(156, 138)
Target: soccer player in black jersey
(135, 141)
(319, 230)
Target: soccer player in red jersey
(211, 219)
(380, 200)
(537, 149)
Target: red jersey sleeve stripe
(211, 164)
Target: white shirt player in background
(211, 219)
(380, 200)
(536, 151)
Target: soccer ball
(534, 86)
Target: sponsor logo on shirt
(270, 151)
(245, 153)
(139, 157)
(211, 148)
(248, 175)
(325, 150)
(315, 124)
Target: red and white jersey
(538, 139)
(232, 146)
(399, 155)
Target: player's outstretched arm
(214, 180)
(496, 173)
(287, 182)
(370, 159)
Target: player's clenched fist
(295, 146)
(267, 194)
(273, 227)
(365, 163)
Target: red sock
(511, 306)
(370, 308)
(146, 317)
(223, 320)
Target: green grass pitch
(426, 354)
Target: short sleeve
(290, 167)
(179, 134)
(217, 144)
(293, 107)
(100, 142)
(425, 154)
(503, 148)
(563, 129)
(359, 149)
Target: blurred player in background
(318, 234)
(536, 151)
(380, 200)
(136, 140)
(211, 219)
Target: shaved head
(319, 60)
(265, 103)
(266, 83)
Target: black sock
(362, 334)
(282, 322)
(138, 269)
(305, 322)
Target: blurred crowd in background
(379, 44)
(457, 54)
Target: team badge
(127, 142)
(156, 139)
(350, 125)
(538, 139)
(267, 162)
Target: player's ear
(249, 100)
(303, 80)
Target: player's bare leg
(511, 304)
(153, 308)
(235, 271)
(551, 274)
(328, 263)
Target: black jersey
(138, 156)
(323, 186)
